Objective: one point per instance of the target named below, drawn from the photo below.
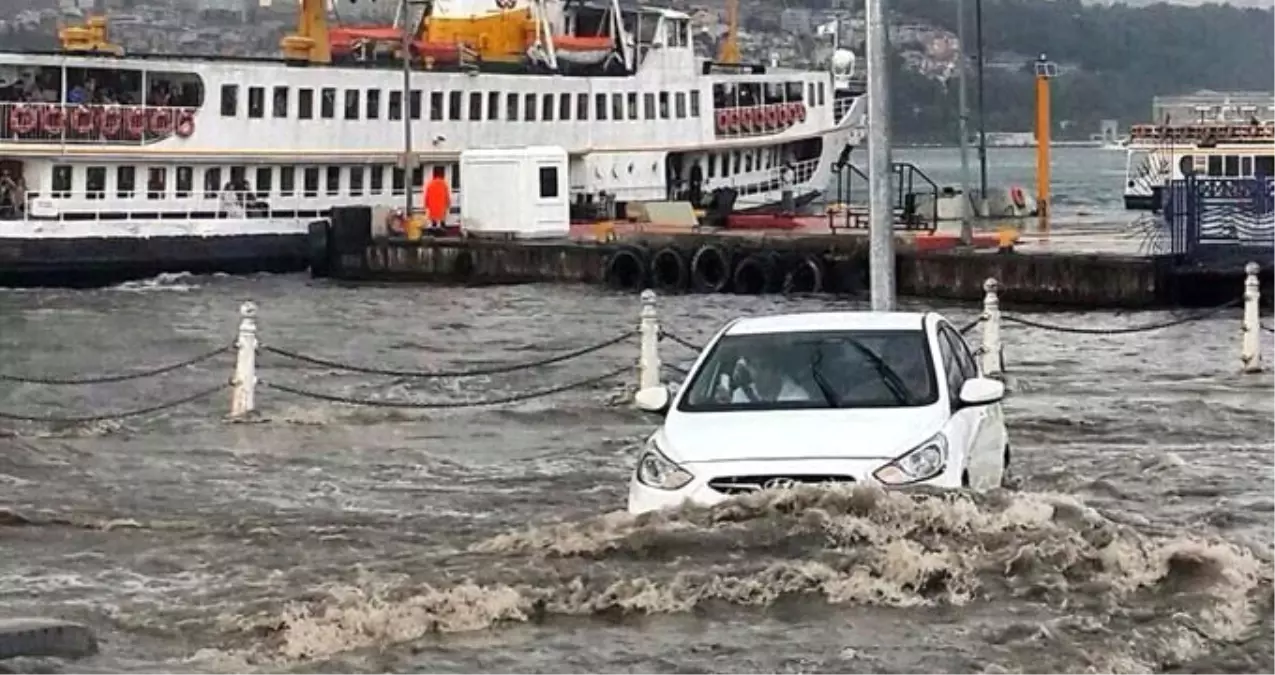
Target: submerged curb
(45, 637)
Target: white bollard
(244, 383)
(992, 366)
(649, 343)
(1251, 331)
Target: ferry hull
(103, 261)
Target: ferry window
(748, 161)
(95, 182)
(287, 181)
(600, 106)
(811, 97)
(327, 103)
(493, 105)
(1215, 165)
(184, 90)
(373, 104)
(125, 181)
(1186, 165)
(648, 106)
(280, 107)
(1232, 165)
(311, 181)
(62, 180)
(351, 104)
(156, 182)
(356, 181)
(735, 162)
(378, 180)
(238, 174)
(185, 181)
(712, 166)
(564, 107)
(546, 108)
(617, 106)
(436, 105)
(212, 182)
(820, 93)
(664, 108)
(396, 105)
(229, 100)
(694, 103)
(582, 106)
(265, 180)
(1264, 165)
(529, 108)
(305, 104)
(511, 107)
(633, 107)
(414, 104)
(333, 180)
(453, 106)
(1246, 166)
(475, 105)
(792, 92)
(256, 102)
(680, 103)
(454, 171)
(548, 182)
(399, 182)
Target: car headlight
(923, 462)
(657, 471)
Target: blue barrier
(1217, 219)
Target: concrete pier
(45, 637)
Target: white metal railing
(772, 179)
(842, 107)
(93, 124)
(758, 120)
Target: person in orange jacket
(438, 200)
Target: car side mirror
(981, 391)
(653, 399)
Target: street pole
(880, 205)
(405, 46)
(967, 228)
(982, 127)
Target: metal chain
(680, 341)
(422, 374)
(116, 415)
(443, 405)
(1120, 331)
(970, 326)
(677, 369)
(123, 377)
(1266, 328)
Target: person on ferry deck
(438, 198)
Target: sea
(323, 537)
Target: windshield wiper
(893, 382)
(816, 372)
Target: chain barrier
(971, 325)
(677, 369)
(122, 377)
(445, 405)
(1268, 329)
(438, 374)
(680, 341)
(1124, 330)
(83, 419)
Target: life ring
(794, 112)
(723, 121)
(23, 119)
(801, 112)
(161, 121)
(134, 122)
(785, 115)
(746, 118)
(82, 119)
(186, 123)
(732, 119)
(112, 120)
(772, 115)
(53, 118)
(1017, 197)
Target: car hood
(864, 433)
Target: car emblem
(779, 484)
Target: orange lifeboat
(345, 39)
(583, 50)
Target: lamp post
(405, 47)
(880, 206)
(967, 229)
(982, 128)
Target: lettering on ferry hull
(93, 124)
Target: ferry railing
(101, 205)
(71, 123)
(759, 120)
(841, 106)
(1218, 220)
(772, 181)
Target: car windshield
(825, 369)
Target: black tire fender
(711, 269)
(669, 272)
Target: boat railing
(1204, 133)
(773, 179)
(73, 123)
(841, 106)
(758, 120)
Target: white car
(893, 398)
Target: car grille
(734, 485)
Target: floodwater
(333, 538)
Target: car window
(969, 367)
(813, 369)
(951, 366)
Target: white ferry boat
(137, 164)
(1163, 152)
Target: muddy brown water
(332, 538)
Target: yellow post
(1044, 71)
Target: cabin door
(12, 189)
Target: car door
(962, 424)
(982, 453)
